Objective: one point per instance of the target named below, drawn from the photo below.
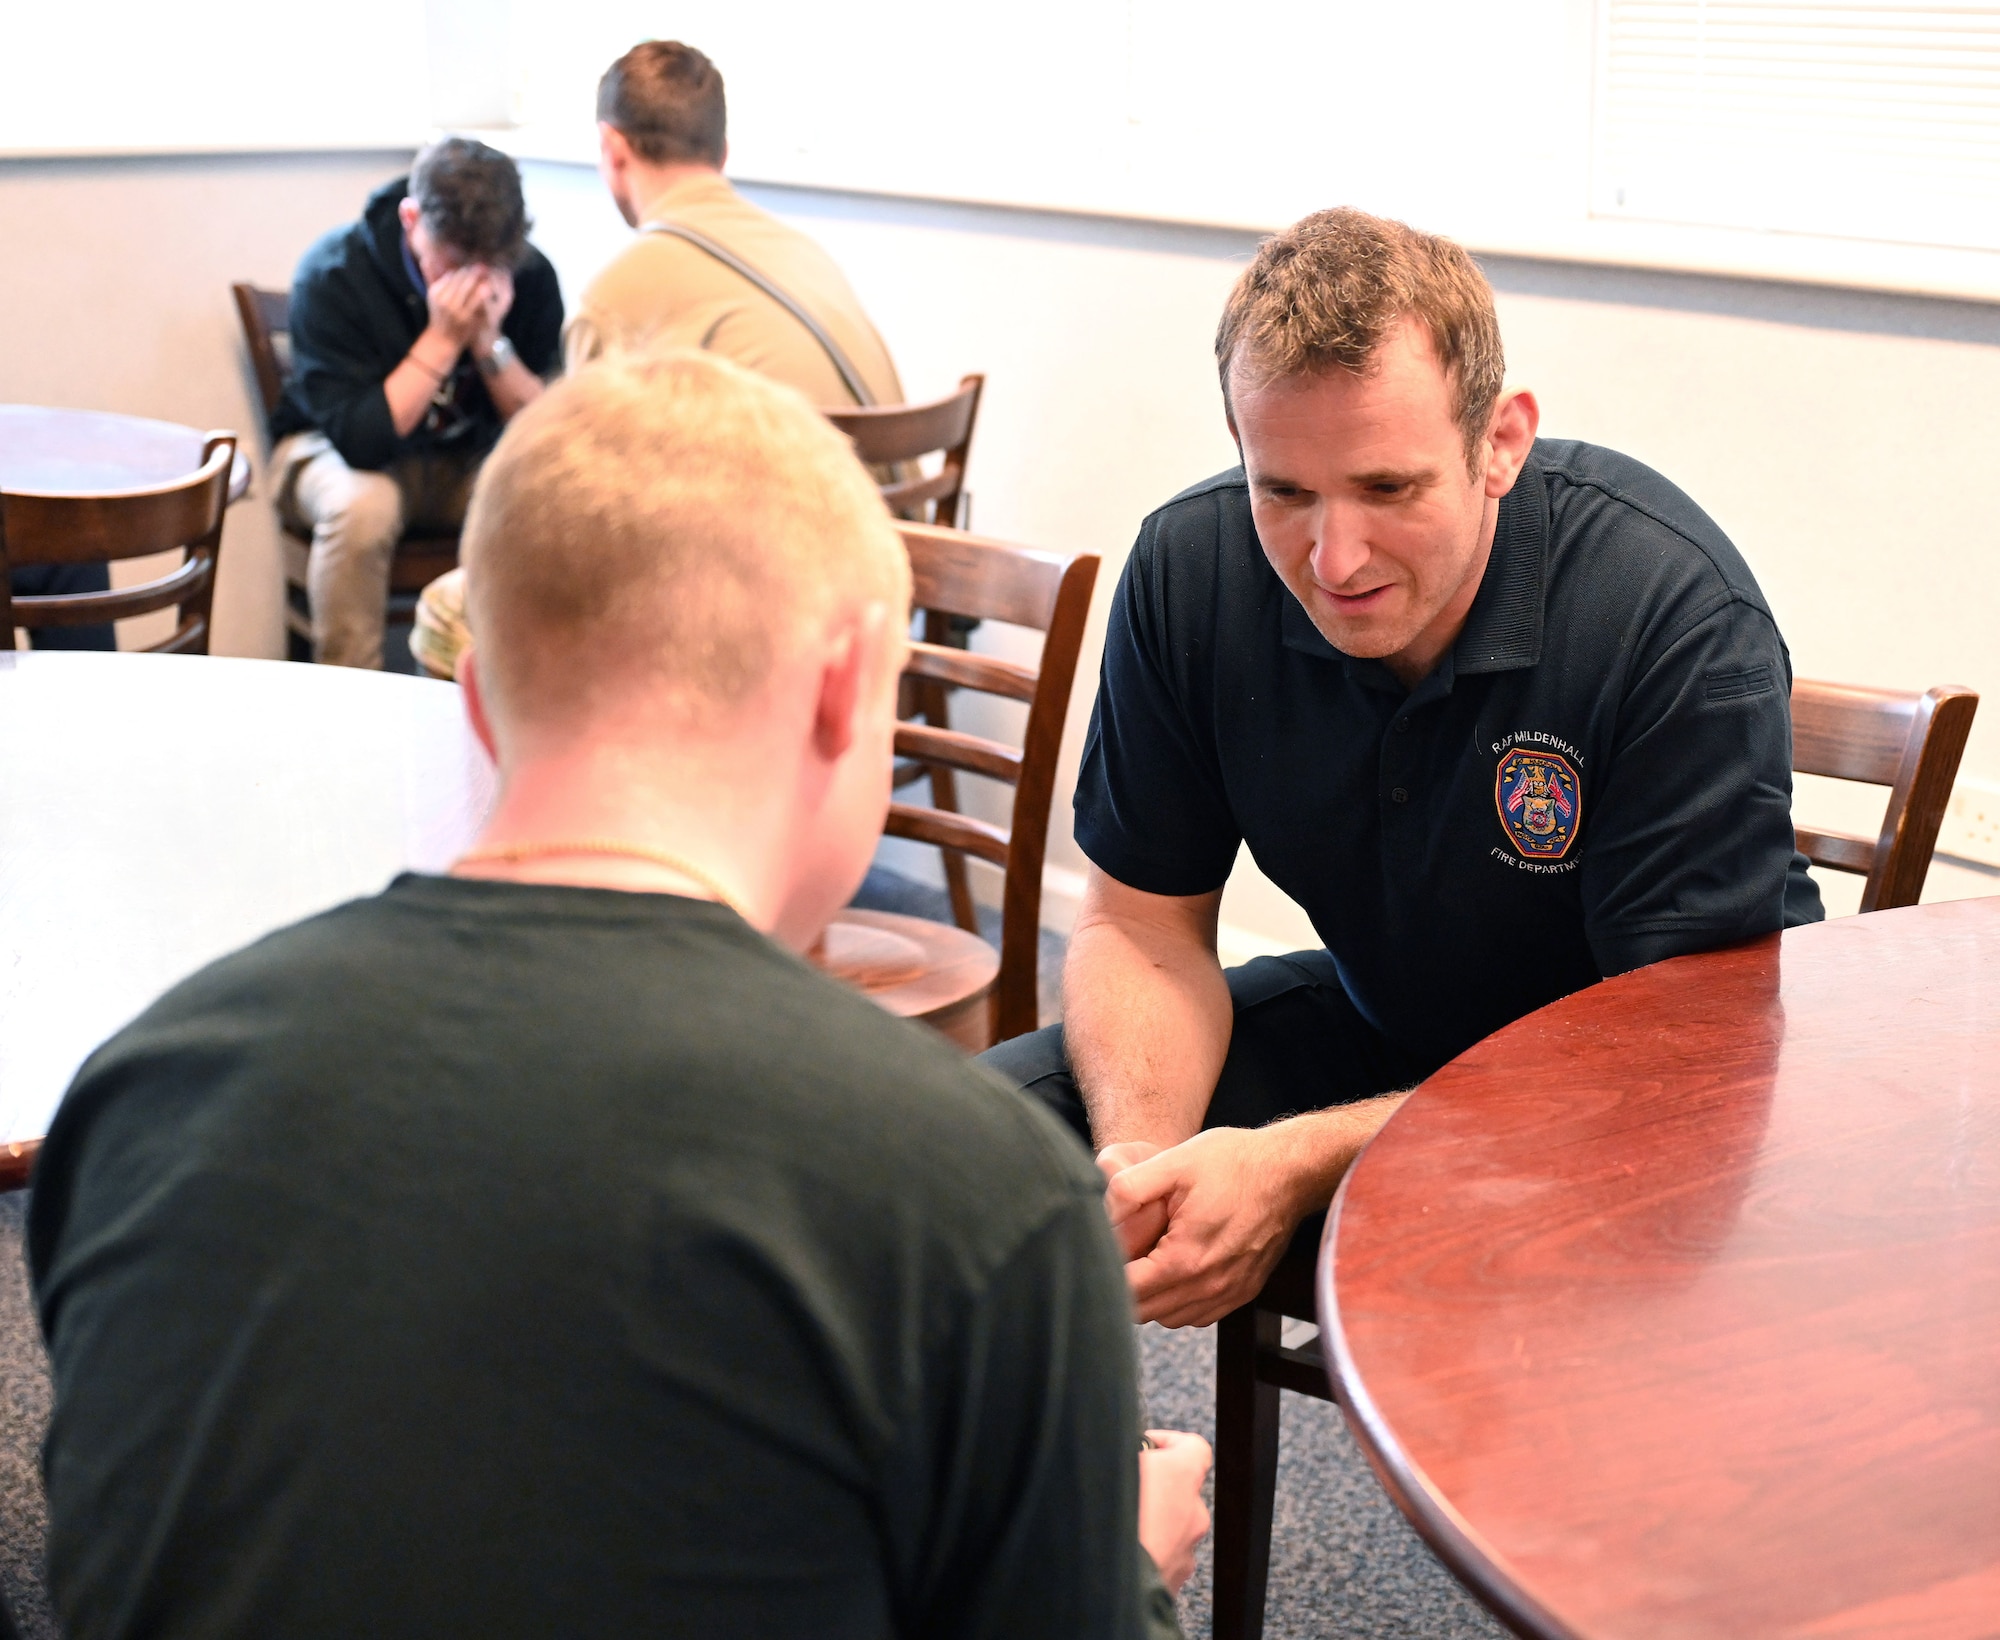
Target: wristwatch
(497, 360)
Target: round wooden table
(88, 452)
(158, 811)
(1674, 1308)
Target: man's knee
(355, 514)
(1038, 1064)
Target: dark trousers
(1298, 1044)
(43, 580)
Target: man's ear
(850, 681)
(613, 145)
(475, 704)
(1515, 420)
(407, 212)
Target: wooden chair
(889, 435)
(894, 437)
(968, 575)
(1908, 742)
(185, 515)
(420, 557)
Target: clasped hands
(1202, 1223)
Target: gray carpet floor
(1343, 1561)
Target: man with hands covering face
(1504, 716)
(417, 333)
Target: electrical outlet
(1971, 828)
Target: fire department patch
(1540, 803)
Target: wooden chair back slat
(37, 528)
(93, 608)
(958, 750)
(963, 574)
(886, 433)
(264, 314)
(1837, 850)
(1906, 741)
(100, 529)
(991, 580)
(904, 498)
(1848, 732)
(946, 830)
(889, 435)
(986, 673)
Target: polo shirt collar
(706, 188)
(1503, 629)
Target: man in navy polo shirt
(1504, 716)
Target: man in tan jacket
(707, 270)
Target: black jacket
(356, 310)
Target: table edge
(1448, 1535)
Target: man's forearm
(411, 385)
(1146, 1020)
(1313, 1152)
(512, 386)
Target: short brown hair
(470, 197)
(666, 100)
(665, 519)
(1326, 292)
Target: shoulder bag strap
(729, 259)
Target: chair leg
(1246, 1471)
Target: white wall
(1840, 437)
(1843, 439)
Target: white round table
(159, 811)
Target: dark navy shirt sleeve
(338, 356)
(1693, 838)
(1151, 810)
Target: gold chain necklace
(598, 845)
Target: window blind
(1860, 121)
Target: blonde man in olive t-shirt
(662, 140)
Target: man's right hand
(1172, 1516)
(1138, 1229)
(458, 303)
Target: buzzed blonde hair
(1325, 294)
(665, 519)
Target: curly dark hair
(470, 197)
(666, 100)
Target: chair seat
(915, 969)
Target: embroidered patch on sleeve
(1540, 803)
(1734, 685)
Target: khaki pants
(355, 519)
